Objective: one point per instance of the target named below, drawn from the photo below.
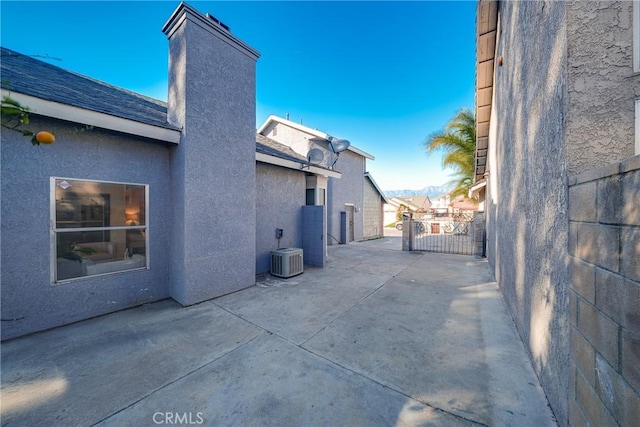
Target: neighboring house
(152, 200)
(445, 205)
(414, 203)
(390, 211)
(558, 171)
(463, 204)
(410, 203)
(374, 203)
(354, 212)
(442, 205)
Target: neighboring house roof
(269, 146)
(272, 152)
(368, 176)
(29, 76)
(441, 197)
(465, 204)
(416, 202)
(486, 28)
(475, 188)
(315, 132)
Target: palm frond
(457, 144)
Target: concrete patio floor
(379, 337)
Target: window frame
(54, 230)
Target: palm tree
(457, 141)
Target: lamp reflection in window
(132, 216)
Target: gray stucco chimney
(212, 97)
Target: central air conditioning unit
(286, 262)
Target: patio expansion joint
(156, 390)
(363, 299)
(262, 328)
(359, 374)
(338, 365)
(347, 310)
(366, 297)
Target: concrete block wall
(373, 213)
(604, 265)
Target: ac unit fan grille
(287, 262)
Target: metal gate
(452, 234)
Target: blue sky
(384, 75)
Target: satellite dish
(315, 156)
(339, 145)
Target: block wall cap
(630, 164)
(612, 169)
(601, 172)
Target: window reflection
(100, 228)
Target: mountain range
(432, 191)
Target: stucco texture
(280, 195)
(30, 302)
(527, 225)
(602, 86)
(212, 97)
(347, 189)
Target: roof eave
(384, 198)
(318, 134)
(290, 164)
(486, 32)
(84, 116)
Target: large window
(98, 227)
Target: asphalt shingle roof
(268, 146)
(29, 76)
(273, 148)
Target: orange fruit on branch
(45, 137)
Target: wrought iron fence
(454, 234)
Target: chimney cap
(217, 21)
(184, 13)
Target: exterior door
(350, 213)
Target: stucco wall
(294, 138)
(212, 98)
(604, 247)
(527, 225)
(30, 302)
(280, 195)
(347, 189)
(602, 87)
(372, 219)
